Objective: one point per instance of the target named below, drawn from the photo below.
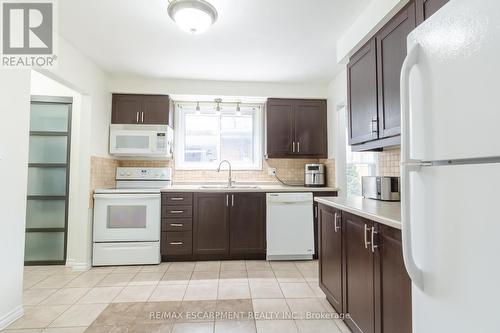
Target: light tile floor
(209, 296)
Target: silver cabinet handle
(142, 117)
(336, 225)
(176, 199)
(137, 117)
(176, 243)
(232, 200)
(298, 147)
(366, 236)
(373, 239)
(316, 211)
(374, 122)
(176, 224)
(227, 200)
(176, 211)
(293, 147)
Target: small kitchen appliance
(314, 175)
(127, 219)
(380, 188)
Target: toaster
(381, 188)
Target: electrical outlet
(271, 171)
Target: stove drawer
(176, 243)
(176, 224)
(176, 211)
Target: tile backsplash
(289, 170)
(389, 162)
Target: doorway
(48, 180)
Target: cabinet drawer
(177, 199)
(176, 224)
(176, 243)
(176, 211)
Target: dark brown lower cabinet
(330, 258)
(392, 283)
(361, 264)
(211, 224)
(359, 284)
(247, 227)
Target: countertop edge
(263, 189)
(373, 217)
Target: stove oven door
(127, 217)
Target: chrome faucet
(229, 180)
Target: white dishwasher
(290, 229)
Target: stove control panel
(143, 173)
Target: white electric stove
(127, 219)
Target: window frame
(180, 132)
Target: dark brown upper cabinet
(296, 128)
(141, 109)
(425, 8)
(391, 53)
(211, 224)
(247, 227)
(373, 79)
(362, 94)
(330, 258)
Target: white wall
(136, 84)
(14, 136)
(375, 15)
(337, 97)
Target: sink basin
(214, 186)
(227, 187)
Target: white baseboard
(10, 317)
(78, 266)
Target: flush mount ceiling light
(193, 16)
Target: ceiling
(252, 40)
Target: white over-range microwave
(151, 141)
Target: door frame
(38, 99)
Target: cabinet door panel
(359, 297)
(311, 128)
(362, 94)
(425, 8)
(391, 52)
(126, 109)
(393, 285)
(156, 109)
(330, 255)
(211, 229)
(247, 223)
(280, 134)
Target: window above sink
(207, 133)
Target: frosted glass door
(48, 175)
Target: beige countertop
(245, 187)
(388, 213)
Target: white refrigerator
(450, 89)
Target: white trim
(258, 133)
(78, 266)
(11, 317)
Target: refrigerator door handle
(407, 166)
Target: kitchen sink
(227, 187)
